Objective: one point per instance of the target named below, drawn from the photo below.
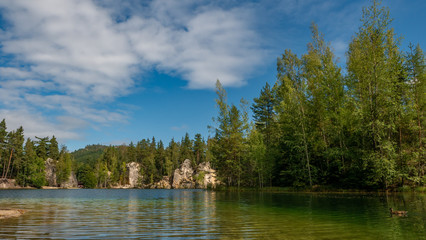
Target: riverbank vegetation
(360, 128)
(319, 125)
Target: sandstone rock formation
(182, 177)
(133, 170)
(71, 182)
(186, 177)
(8, 183)
(50, 171)
(205, 176)
(163, 183)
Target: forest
(361, 126)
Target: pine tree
(53, 149)
(173, 154)
(229, 144)
(41, 147)
(186, 149)
(160, 160)
(199, 149)
(131, 153)
(263, 112)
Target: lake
(199, 214)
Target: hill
(89, 154)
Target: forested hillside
(156, 159)
(89, 154)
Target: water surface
(198, 214)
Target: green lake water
(198, 214)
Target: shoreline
(260, 190)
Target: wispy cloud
(180, 128)
(67, 62)
(74, 58)
(38, 125)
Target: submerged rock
(9, 213)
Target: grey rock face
(205, 176)
(71, 182)
(133, 170)
(186, 177)
(50, 172)
(163, 183)
(182, 177)
(7, 183)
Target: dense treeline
(156, 160)
(96, 165)
(319, 126)
(25, 160)
(360, 127)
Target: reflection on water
(108, 214)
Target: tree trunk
(306, 146)
(8, 165)
(4, 167)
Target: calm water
(118, 214)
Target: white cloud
(14, 73)
(73, 58)
(36, 124)
(212, 44)
(74, 43)
(80, 47)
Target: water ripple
(147, 214)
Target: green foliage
(186, 148)
(229, 144)
(63, 166)
(53, 149)
(36, 173)
(199, 149)
(362, 130)
(89, 154)
(42, 147)
(264, 114)
(260, 168)
(87, 176)
(200, 177)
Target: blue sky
(111, 72)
